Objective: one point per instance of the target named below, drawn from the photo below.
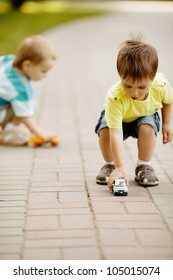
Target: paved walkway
(50, 205)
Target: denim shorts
(131, 128)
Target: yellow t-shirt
(119, 107)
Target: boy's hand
(35, 129)
(167, 134)
(47, 136)
(119, 172)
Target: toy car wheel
(37, 145)
(53, 144)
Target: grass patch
(16, 25)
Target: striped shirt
(15, 90)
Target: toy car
(37, 141)
(119, 187)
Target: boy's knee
(104, 132)
(145, 129)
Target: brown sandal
(145, 175)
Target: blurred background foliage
(18, 3)
(22, 18)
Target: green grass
(15, 26)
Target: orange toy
(37, 141)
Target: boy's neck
(146, 95)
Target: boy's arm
(35, 129)
(116, 142)
(166, 123)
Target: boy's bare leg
(104, 142)
(106, 170)
(145, 174)
(146, 142)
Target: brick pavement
(50, 205)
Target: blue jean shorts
(131, 128)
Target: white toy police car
(119, 187)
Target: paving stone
(42, 212)
(166, 209)
(10, 256)
(41, 223)
(12, 210)
(42, 205)
(117, 237)
(12, 249)
(11, 223)
(13, 198)
(60, 243)
(55, 189)
(70, 176)
(14, 182)
(76, 222)
(15, 186)
(72, 197)
(83, 253)
(74, 205)
(155, 237)
(13, 192)
(11, 240)
(57, 184)
(108, 207)
(131, 225)
(163, 198)
(42, 197)
(141, 207)
(128, 217)
(42, 254)
(60, 233)
(12, 216)
(11, 231)
(170, 223)
(162, 188)
(12, 178)
(50, 177)
(14, 203)
(138, 253)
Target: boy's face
(37, 71)
(137, 90)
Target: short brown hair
(36, 49)
(137, 60)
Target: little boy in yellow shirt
(131, 109)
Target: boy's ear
(26, 64)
